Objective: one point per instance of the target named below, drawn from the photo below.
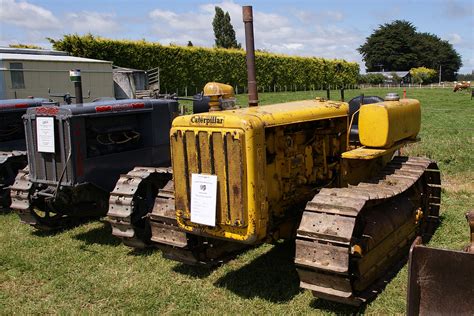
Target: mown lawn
(85, 269)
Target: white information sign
(45, 134)
(203, 199)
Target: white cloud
(94, 22)
(315, 35)
(321, 17)
(27, 15)
(293, 46)
(455, 38)
(294, 33)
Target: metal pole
(75, 76)
(439, 75)
(250, 47)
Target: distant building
(404, 75)
(31, 72)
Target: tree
(31, 46)
(190, 44)
(371, 78)
(223, 30)
(398, 46)
(434, 52)
(390, 47)
(465, 77)
(422, 75)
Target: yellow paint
(270, 115)
(218, 89)
(383, 124)
(367, 153)
(238, 159)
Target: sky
(330, 29)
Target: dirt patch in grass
(458, 183)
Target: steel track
(349, 238)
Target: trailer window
(16, 72)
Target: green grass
(86, 270)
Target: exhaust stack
(75, 76)
(250, 49)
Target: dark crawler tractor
(76, 154)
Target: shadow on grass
(101, 235)
(271, 276)
(71, 224)
(204, 270)
(142, 252)
(336, 308)
(5, 211)
(199, 272)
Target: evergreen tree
(190, 44)
(398, 46)
(223, 30)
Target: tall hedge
(192, 67)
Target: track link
(10, 163)
(125, 214)
(20, 196)
(349, 238)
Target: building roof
(58, 58)
(126, 70)
(15, 50)
(388, 74)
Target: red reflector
(21, 105)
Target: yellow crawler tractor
(243, 177)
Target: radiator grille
(47, 168)
(218, 153)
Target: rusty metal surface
(470, 220)
(250, 49)
(440, 282)
(10, 163)
(19, 194)
(163, 222)
(124, 200)
(164, 232)
(178, 245)
(349, 238)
